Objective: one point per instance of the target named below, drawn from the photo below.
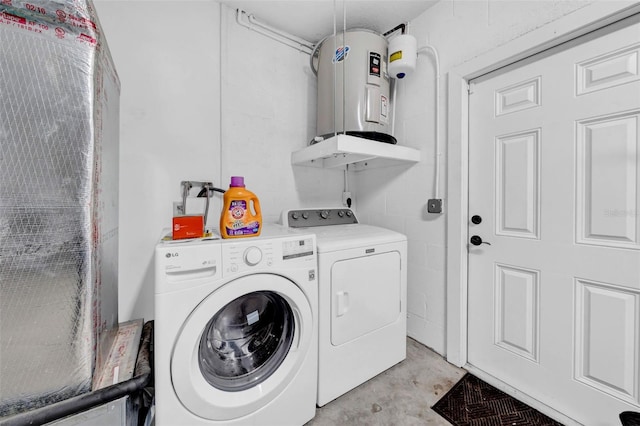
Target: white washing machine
(362, 274)
(236, 330)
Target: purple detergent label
(251, 229)
(236, 225)
(237, 209)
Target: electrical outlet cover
(434, 205)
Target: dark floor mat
(472, 402)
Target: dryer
(362, 276)
(236, 330)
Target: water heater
(353, 85)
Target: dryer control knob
(252, 256)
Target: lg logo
(170, 255)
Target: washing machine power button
(252, 256)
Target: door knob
(476, 219)
(476, 241)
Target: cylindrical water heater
(355, 98)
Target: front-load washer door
(241, 346)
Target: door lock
(476, 219)
(476, 241)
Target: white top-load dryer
(362, 280)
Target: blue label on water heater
(341, 54)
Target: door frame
(576, 24)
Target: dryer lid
(343, 237)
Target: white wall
(169, 68)
(269, 111)
(202, 99)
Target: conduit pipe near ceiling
(290, 40)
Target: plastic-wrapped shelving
(59, 126)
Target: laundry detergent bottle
(241, 215)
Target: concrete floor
(402, 395)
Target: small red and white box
(188, 227)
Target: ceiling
(312, 20)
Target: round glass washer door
(246, 341)
(255, 330)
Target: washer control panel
(302, 218)
(264, 253)
(238, 257)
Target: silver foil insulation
(59, 109)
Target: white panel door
(554, 185)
